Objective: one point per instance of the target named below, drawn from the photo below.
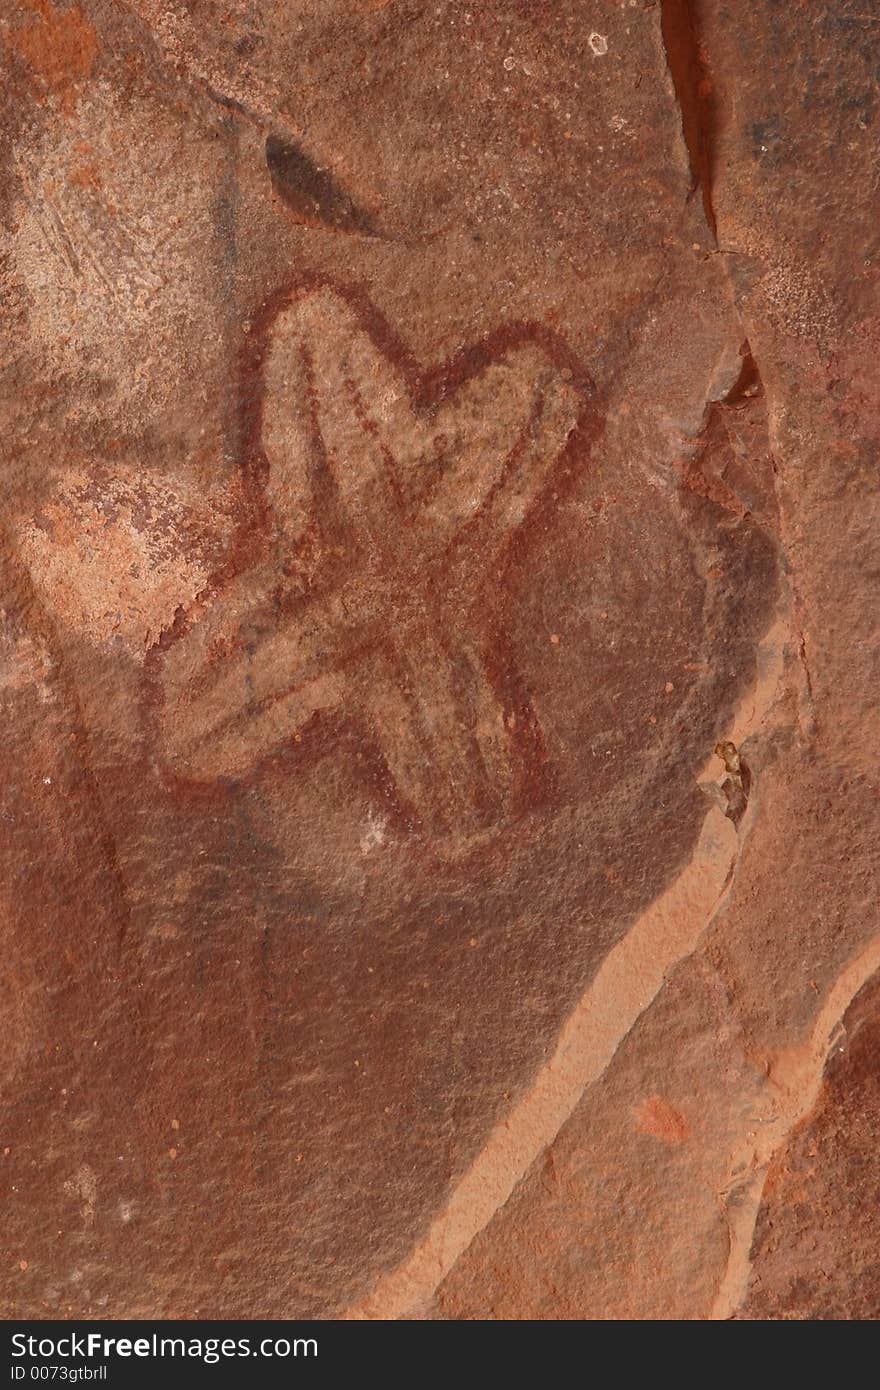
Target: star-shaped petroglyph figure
(394, 500)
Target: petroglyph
(395, 501)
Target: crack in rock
(626, 984)
(797, 1076)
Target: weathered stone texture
(438, 655)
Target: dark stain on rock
(311, 193)
(767, 140)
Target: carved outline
(425, 387)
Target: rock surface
(439, 659)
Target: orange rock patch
(59, 46)
(655, 1116)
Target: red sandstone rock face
(438, 659)
(815, 1251)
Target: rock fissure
(622, 990)
(796, 1077)
(685, 56)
